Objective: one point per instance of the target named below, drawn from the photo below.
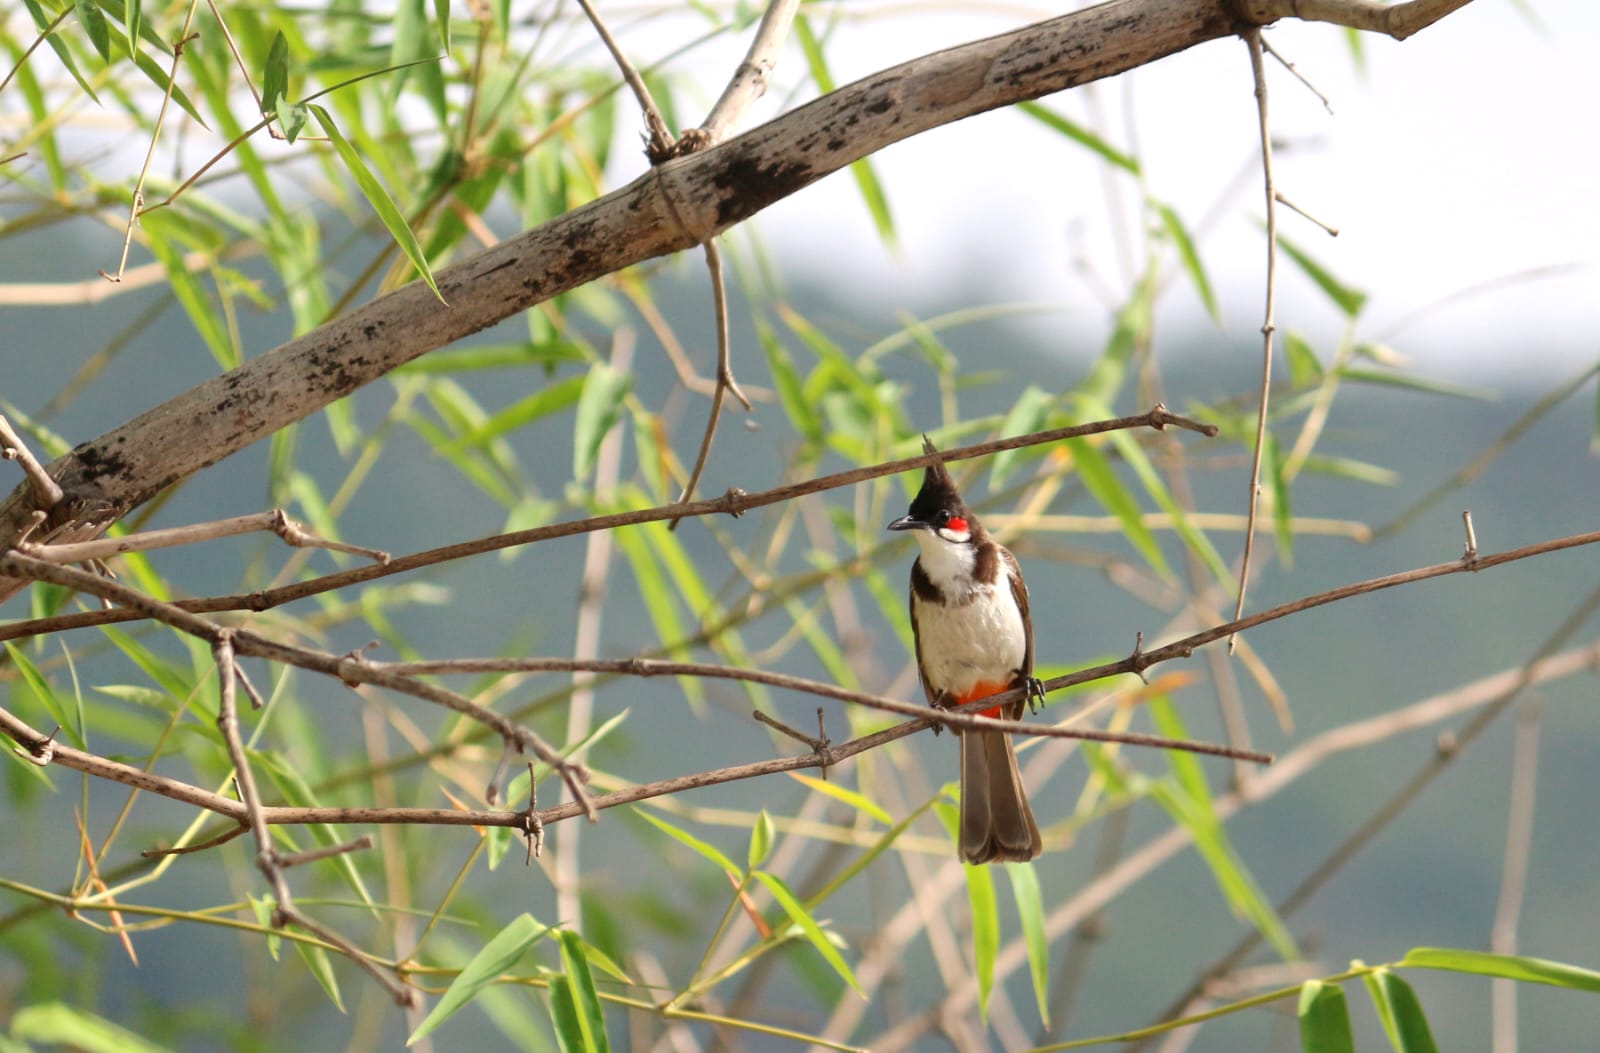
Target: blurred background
(1458, 168)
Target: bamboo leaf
(1510, 966)
(685, 838)
(1190, 256)
(808, 925)
(1080, 135)
(1030, 913)
(985, 930)
(599, 408)
(1411, 1033)
(1349, 299)
(388, 212)
(1324, 1019)
(585, 1002)
(486, 967)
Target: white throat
(947, 564)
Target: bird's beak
(908, 523)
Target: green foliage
(388, 143)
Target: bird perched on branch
(969, 617)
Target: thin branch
(47, 493)
(1252, 38)
(276, 521)
(1399, 20)
(750, 80)
(1514, 870)
(725, 381)
(350, 668)
(735, 503)
(1266, 46)
(659, 139)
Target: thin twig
(749, 81)
(1266, 46)
(276, 521)
(735, 503)
(659, 140)
(1514, 869)
(47, 492)
(1252, 38)
(725, 381)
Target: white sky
(1467, 154)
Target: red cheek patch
(957, 525)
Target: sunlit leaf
(985, 930)
(1189, 254)
(684, 837)
(1349, 299)
(599, 409)
(1081, 135)
(1402, 1011)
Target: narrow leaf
(599, 408)
(1190, 255)
(275, 78)
(808, 925)
(1080, 135)
(855, 800)
(1411, 1031)
(1027, 414)
(683, 837)
(1509, 966)
(1324, 1019)
(985, 930)
(591, 1018)
(378, 198)
(317, 961)
(1349, 299)
(1030, 912)
(94, 24)
(487, 966)
(761, 838)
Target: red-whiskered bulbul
(969, 617)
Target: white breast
(964, 644)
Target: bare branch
(749, 81)
(1399, 20)
(734, 503)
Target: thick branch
(675, 206)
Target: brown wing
(1019, 592)
(918, 578)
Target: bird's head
(937, 512)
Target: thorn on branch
(41, 753)
(1470, 556)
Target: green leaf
(317, 961)
(808, 925)
(388, 212)
(53, 704)
(1097, 476)
(801, 411)
(1027, 414)
(1278, 487)
(132, 21)
(1080, 135)
(683, 837)
(1403, 1011)
(985, 930)
(584, 1023)
(486, 967)
(1324, 1019)
(1190, 255)
(63, 52)
(1188, 798)
(761, 837)
(1030, 912)
(275, 78)
(1304, 369)
(865, 176)
(1430, 387)
(94, 24)
(1509, 966)
(1349, 468)
(599, 408)
(855, 800)
(441, 16)
(1349, 299)
(55, 1023)
(551, 398)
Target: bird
(974, 638)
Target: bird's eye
(943, 516)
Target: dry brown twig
(735, 503)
